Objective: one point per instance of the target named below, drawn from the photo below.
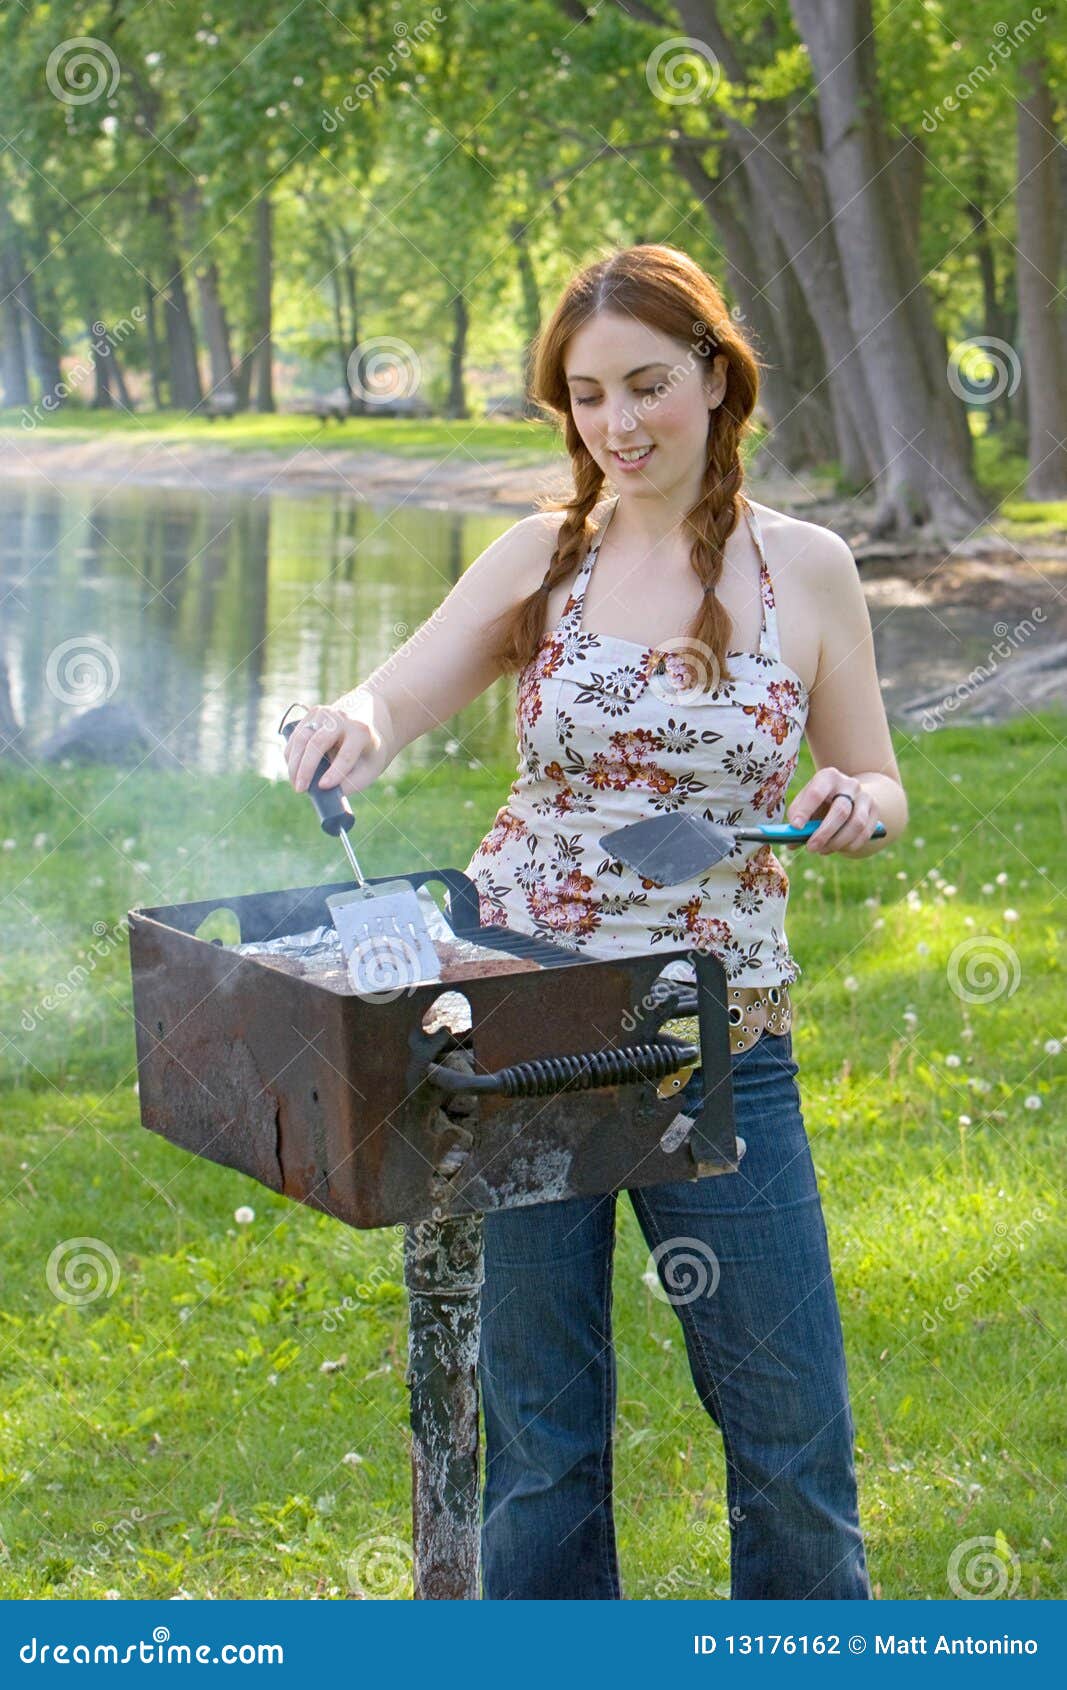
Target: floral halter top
(612, 732)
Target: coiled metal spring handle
(545, 1075)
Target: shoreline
(1005, 582)
(508, 485)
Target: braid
(711, 522)
(524, 627)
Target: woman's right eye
(590, 401)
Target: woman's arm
(443, 666)
(847, 728)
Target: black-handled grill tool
(383, 931)
(334, 814)
(669, 849)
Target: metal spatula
(382, 930)
(668, 849)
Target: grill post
(443, 1272)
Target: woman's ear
(715, 380)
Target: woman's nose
(621, 419)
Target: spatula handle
(784, 834)
(333, 813)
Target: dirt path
(461, 479)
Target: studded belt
(753, 1010)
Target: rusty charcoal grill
(352, 1107)
(388, 1110)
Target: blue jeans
(743, 1259)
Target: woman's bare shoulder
(512, 566)
(816, 586)
(789, 540)
(524, 551)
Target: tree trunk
(806, 235)
(905, 180)
(530, 296)
(1038, 214)
(42, 329)
(264, 326)
(13, 368)
(791, 381)
(457, 399)
(243, 379)
(185, 389)
(103, 399)
(186, 392)
(927, 478)
(155, 374)
(996, 324)
(120, 382)
(356, 403)
(340, 334)
(10, 728)
(216, 331)
(213, 320)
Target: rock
(111, 733)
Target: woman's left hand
(845, 826)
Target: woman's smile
(633, 456)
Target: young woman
(675, 642)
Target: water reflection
(224, 608)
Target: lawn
(249, 431)
(227, 1418)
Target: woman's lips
(632, 463)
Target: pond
(211, 612)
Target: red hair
(664, 288)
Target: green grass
(180, 1434)
(401, 436)
(1001, 470)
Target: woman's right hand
(355, 749)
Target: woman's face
(640, 401)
